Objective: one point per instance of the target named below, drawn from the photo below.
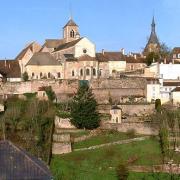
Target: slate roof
(67, 45)
(53, 43)
(177, 89)
(110, 56)
(10, 68)
(171, 83)
(70, 23)
(43, 59)
(131, 59)
(23, 52)
(176, 50)
(86, 58)
(17, 164)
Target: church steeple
(153, 44)
(153, 26)
(71, 31)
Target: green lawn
(152, 176)
(101, 163)
(79, 134)
(105, 137)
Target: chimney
(123, 51)
(103, 51)
(164, 60)
(135, 56)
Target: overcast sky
(110, 24)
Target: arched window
(59, 74)
(49, 74)
(72, 34)
(32, 74)
(117, 119)
(94, 72)
(41, 75)
(73, 73)
(81, 72)
(87, 72)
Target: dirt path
(127, 141)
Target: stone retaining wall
(140, 128)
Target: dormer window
(72, 34)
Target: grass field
(101, 163)
(105, 137)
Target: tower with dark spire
(153, 44)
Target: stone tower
(153, 44)
(71, 31)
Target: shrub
(131, 133)
(30, 95)
(158, 105)
(122, 172)
(50, 93)
(25, 76)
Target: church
(75, 57)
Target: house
(175, 96)
(166, 88)
(16, 163)
(25, 55)
(10, 71)
(153, 89)
(135, 62)
(43, 65)
(176, 54)
(116, 115)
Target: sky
(110, 24)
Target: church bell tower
(71, 31)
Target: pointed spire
(153, 25)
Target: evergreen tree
(84, 109)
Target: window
(41, 74)
(81, 72)
(49, 74)
(100, 72)
(73, 73)
(94, 72)
(32, 74)
(59, 74)
(117, 119)
(72, 34)
(87, 72)
(84, 51)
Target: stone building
(116, 115)
(72, 57)
(153, 44)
